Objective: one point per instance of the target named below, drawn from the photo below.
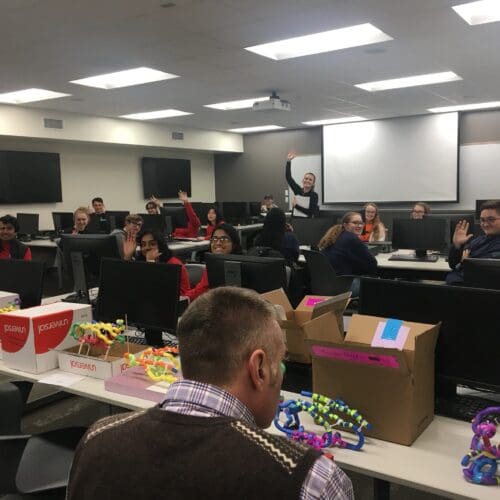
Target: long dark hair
(273, 231)
(166, 253)
(233, 234)
(218, 217)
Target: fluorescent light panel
(465, 107)
(482, 12)
(410, 81)
(317, 43)
(261, 128)
(30, 95)
(154, 115)
(126, 78)
(242, 104)
(333, 121)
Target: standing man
(206, 439)
(465, 245)
(10, 246)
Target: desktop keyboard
(413, 258)
(462, 407)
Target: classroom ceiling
(47, 43)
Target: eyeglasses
(488, 220)
(357, 223)
(220, 239)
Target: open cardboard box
(392, 388)
(94, 363)
(8, 299)
(297, 323)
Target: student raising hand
(129, 247)
(183, 196)
(460, 236)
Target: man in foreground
(206, 439)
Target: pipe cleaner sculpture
(324, 411)
(483, 457)
(11, 306)
(160, 365)
(99, 334)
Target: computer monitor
(261, 274)
(482, 273)
(234, 212)
(254, 208)
(156, 222)
(23, 277)
(82, 256)
(310, 231)
(452, 221)
(98, 224)
(117, 218)
(62, 221)
(420, 235)
(468, 341)
(28, 224)
(147, 293)
(177, 215)
(201, 209)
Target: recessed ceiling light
(410, 81)
(466, 107)
(30, 95)
(126, 78)
(482, 12)
(154, 115)
(317, 43)
(261, 128)
(242, 104)
(333, 121)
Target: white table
(431, 464)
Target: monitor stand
(420, 256)
(81, 295)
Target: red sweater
(5, 251)
(200, 288)
(185, 286)
(211, 228)
(191, 231)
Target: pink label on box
(364, 358)
(312, 301)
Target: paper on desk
(62, 379)
(302, 201)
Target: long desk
(431, 464)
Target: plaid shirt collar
(199, 399)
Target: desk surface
(431, 464)
(41, 243)
(383, 261)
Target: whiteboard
(393, 160)
(300, 166)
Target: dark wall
(261, 168)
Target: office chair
(194, 271)
(32, 464)
(324, 279)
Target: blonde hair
(331, 236)
(83, 210)
(378, 227)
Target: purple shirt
(324, 481)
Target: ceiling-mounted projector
(273, 104)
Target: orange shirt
(367, 231)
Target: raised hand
(290, 156)
(183, 196)
(152, 254)
(129, 247)
(460, 236)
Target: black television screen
(29, 177)
(165, 177)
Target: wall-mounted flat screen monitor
(165, 177)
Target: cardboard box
(29, 336)
(297, 323)
(94, 364)
(7, 300)
(392, 388)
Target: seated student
(225, 240)
(480, 247)
(206, 440)
(213, 220)
(420, 210)
(154, 249)
(307, 189)
(267, 204)
(10, 246)
(133, 224)
(345, 251)
(81, 218)
(274, 235)
(373, 229)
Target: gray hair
(220, 329)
